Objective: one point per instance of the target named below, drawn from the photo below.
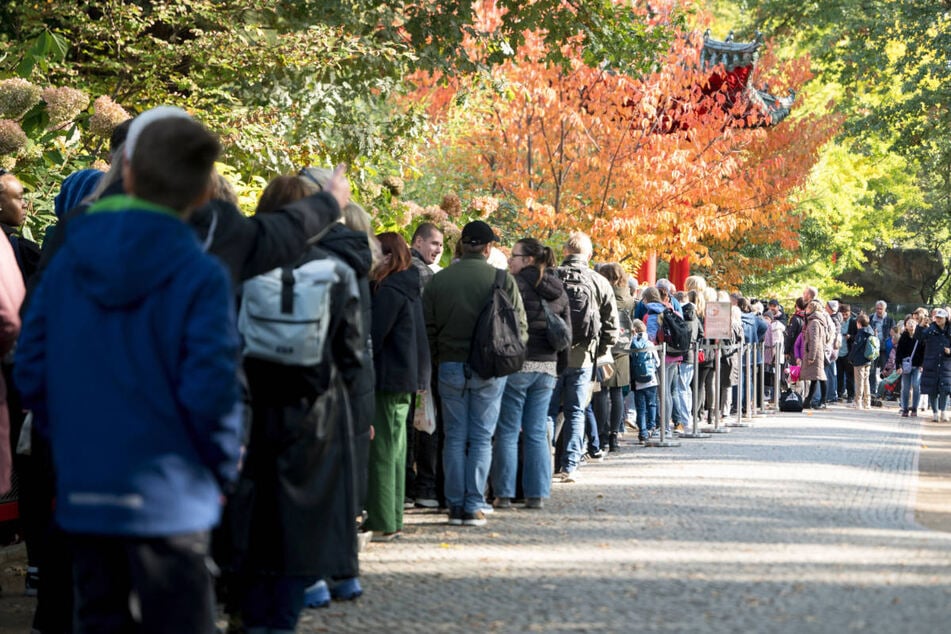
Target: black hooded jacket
(551, 290)
(400, 346)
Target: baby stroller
(889, 388)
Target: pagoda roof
(729, 53)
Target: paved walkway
(803, 523)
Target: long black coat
(353, 248)
(936, 366)
(298, 483)
(400, 345)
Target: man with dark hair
(423, 451)
(160, 402)
(426, 249)
(452, 304)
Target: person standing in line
(861, 365)
(401, 357)
(814, 351)
(881, 323)
(594, 332)
(470, 404)
(936, 366)
(528, 392)
(141, 500)
(424, 473)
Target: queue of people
(275, 391)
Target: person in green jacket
(470, 404)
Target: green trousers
(386, 482)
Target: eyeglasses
(519, 255)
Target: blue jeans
(910, 387)
(591, 426)
(570, 394)
(673, 408)
(524, 408)
(938, 402)
(645, 401)
(683, 397)
(470, 409)
(831, 379)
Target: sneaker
(877, 402)
(534, 503)
(564, 477)
(944, 417)
(595, 456)
(679, 428)
(426, 503)
(502, 503)
(407, 503)
(346, 589)
(455, 516)
(473, 519)
(317, 595)
(914, 412)
(934, 417)
(364, 538)
(904, 413)
(32, 581)
(487, 509)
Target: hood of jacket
(141, 255)
(74, 189)
(404, 282)
(549, 287)
(351, 246)
(655, 308)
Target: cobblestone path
(802, 523)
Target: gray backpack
(285, 313)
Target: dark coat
(936, 367)
(400, 345)
(796, 323)
(857, 352)
(533, 291)
(353, 249)
(906, 344)
(299, 481)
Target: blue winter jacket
(129, 351)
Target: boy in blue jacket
(129, 351)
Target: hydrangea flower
(451, 205)
(12, 137)
(17, 96)
(107, 114)
(64, 104)
(394, 184)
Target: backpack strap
(287, 290)
(500, 279)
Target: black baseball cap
(478, 232)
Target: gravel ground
(802, 523)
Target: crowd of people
(272, 392)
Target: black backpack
(585, 319)
(497, 348)
(790, 401)
(675, 332)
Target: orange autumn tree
(643, 164)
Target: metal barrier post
(663, 403)
(761, 392)
(777, 371)
(715, 407)
(695, 402)
(742, 357)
